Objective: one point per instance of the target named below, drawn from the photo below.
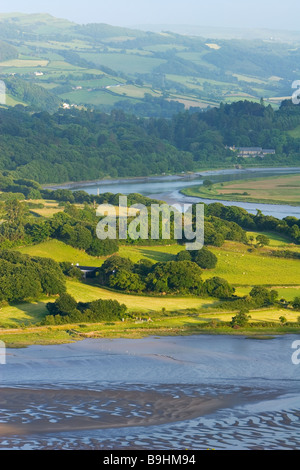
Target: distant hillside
(37, 97)
(7, 52)
(106, 67)
(223, 32)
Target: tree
(241, 319)
(116, 262)
(175, 276)
(64, 305)
(23, 277)
(207, 184)
(103, 247)
(205, 258)
(72, 271)
(127, 280)
(77, 236)
(282, 320)
(103, 310)
(24, 283)
(218, 287)
(38, 231)
(143, 267)
(184, 255)
(262, 240)
(296, 303)
(16, 212)
(50, 275)
(262, 296)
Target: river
(167, 188)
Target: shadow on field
(157, 255)
(31, 312)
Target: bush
(241, 319)
(70, 270)
(263, 297)
(218, 287)
(184, 255)
(103, 247)
(63, 306)
(67, 310)
(204, 258)
(296, 303)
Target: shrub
(184, 255)
(205, 258)
(218, 287)
(64, 305)
(241, 319)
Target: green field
(235, 263)
(241, 268)
(287, 293)
(93, 97)
(276, 239)
(137, 303)
(270, 190)
(62, 49)
(132, 91)
(24, 63)
(126, 63)
(13, 316)
(191, 324)
(59, 251)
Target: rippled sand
(32, 411)
(155, 393)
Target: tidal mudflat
(193, 392)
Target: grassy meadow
(271, 190)
(59, 251)
(235, 263)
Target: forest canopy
(76, 145)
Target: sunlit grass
(136, 303)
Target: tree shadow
(158, 256)
(33, 312)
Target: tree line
(181, 276)
(83, 145)
(28, 278)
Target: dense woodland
(75, 145)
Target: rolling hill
(142, 72)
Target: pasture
(235, 263)
(276, 190)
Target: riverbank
(107, 181)
(172, 326)
(163, 177)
